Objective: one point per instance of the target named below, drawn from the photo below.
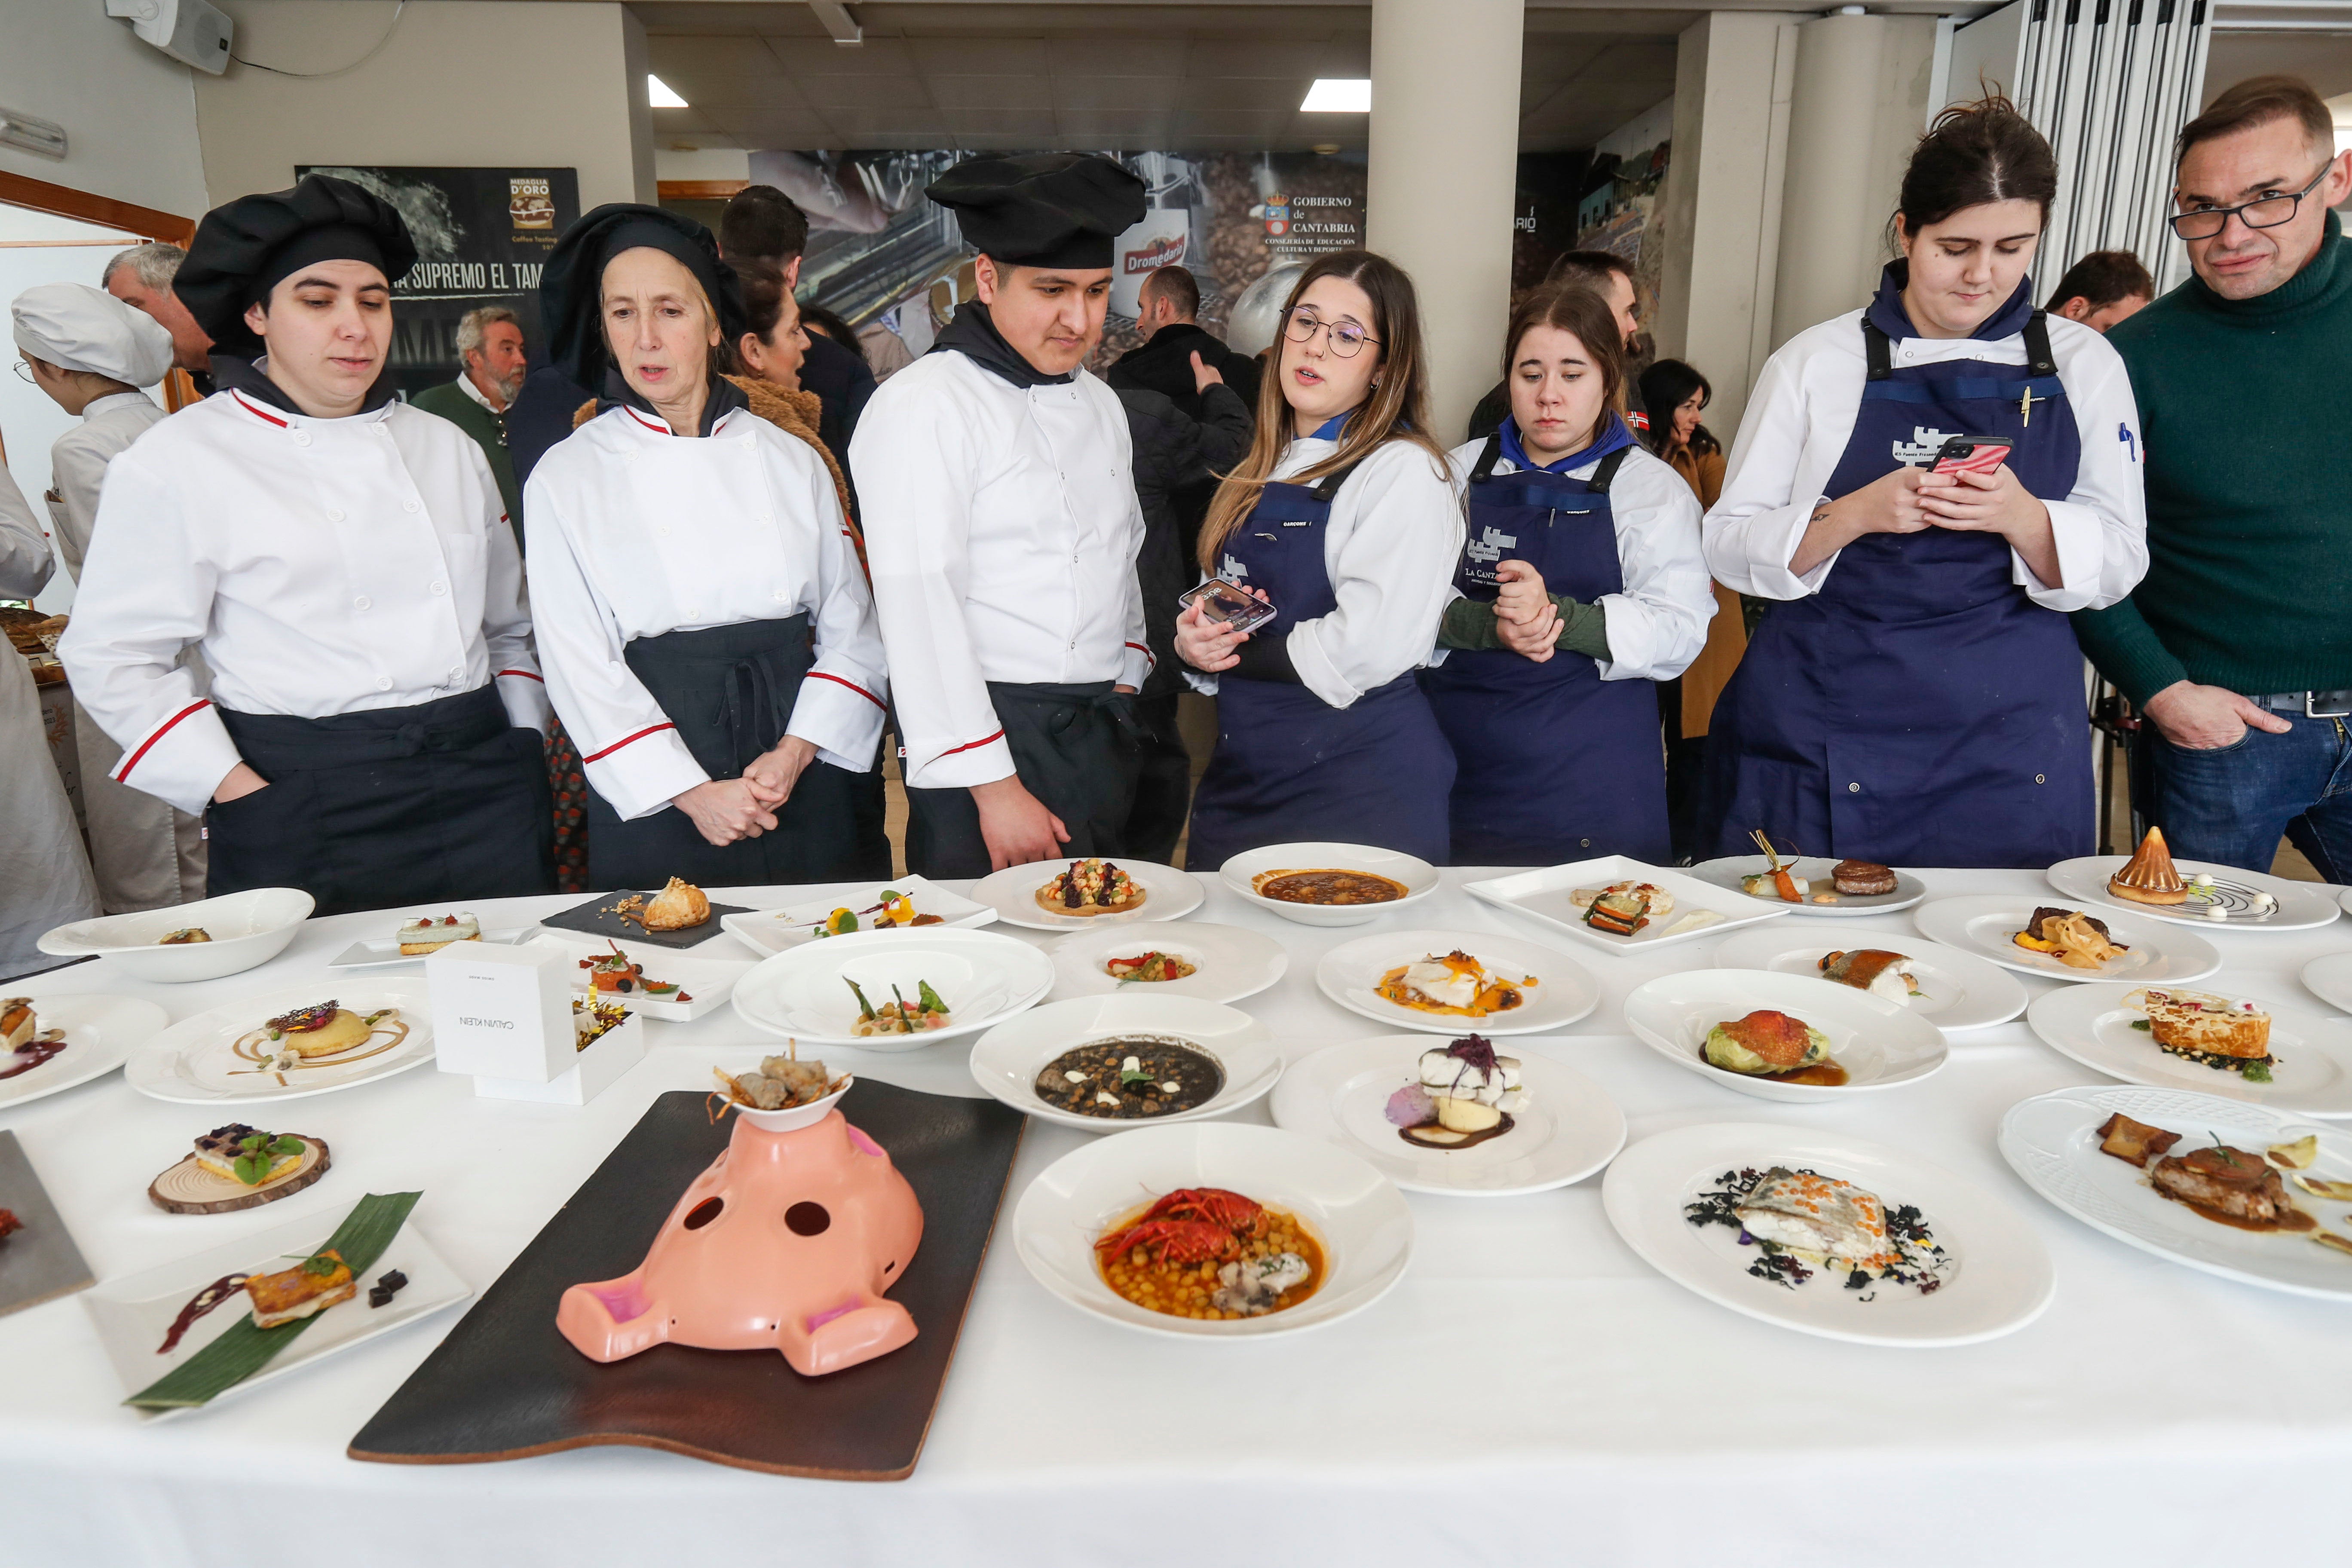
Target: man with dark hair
(2237, 646)
(1607, 274)
(1169, 302)
(762, 224)
(2105, 287)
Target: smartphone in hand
(1221, 601)
(1971, 455)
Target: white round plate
(102, 1032)
(1880, 1044)
(1231, 962)
(2312, 1075)
(1959, 990)
(2052, 1140)
(2301, 905)
(196, 1061)
(2344, 899)
(1362, 1221)
(1007, 1060)
(1565, 989)
(2001, 1279)
(1340, 1095)
(1419, 877)
(1168, 895)
(1815, 868)
(1982, 923)
(2329, 978)
(248, 929)
(983, 977)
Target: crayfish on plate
(1191, 1225)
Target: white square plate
(708, 981)
(383, 953)
(1543, 896)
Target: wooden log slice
(188, 1188)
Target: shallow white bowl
(984, 978)
(1419, 877)
(2311, 1074)
(1007, 1060)
(102, 1032)
(1231, 962)
(248, 929)
(1362, 1221)
(1880, 1044)
(1565, 991)
(1959, 990)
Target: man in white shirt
(342, 564)
(1002, 527)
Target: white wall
(129, 111)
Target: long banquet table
(1531, 1392)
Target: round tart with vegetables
(1091, 886)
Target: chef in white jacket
(342, 564)
(91, 354)
(1001, 526)
(44, 876)
(708, 634)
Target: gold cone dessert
(2147, 877)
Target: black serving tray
(506, 1385)
(592, 918)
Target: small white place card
(501, 1012)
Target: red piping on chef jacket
(256, 409)
(527, 674)
(132, 760)
(600, 756)
(820, 675)
(1146, 652)
(662, 429)
(968, 745)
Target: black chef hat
(1042, 209)
(242, 250)
(570, 292)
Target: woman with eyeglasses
(1342, 517)
(1583, 584)
(1916, 696)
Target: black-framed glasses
(2268, 212)
(1348, 339)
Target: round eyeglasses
(25, 373)
(2268, 212)
(1348, 339)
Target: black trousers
(1163, 785)
(425, 806)
(1075, 748)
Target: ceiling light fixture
(838, 22)
(661, 95)
(1338, 95)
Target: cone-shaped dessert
(2147, 877)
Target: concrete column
(1444, 164)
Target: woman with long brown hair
(1341, 516)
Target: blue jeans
(2232, 803)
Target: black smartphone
(1221, 601)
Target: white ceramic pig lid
(787, 1242)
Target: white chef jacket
(1657, 623)
(78, 462)
(320, 566)
(1390, 547)
(45, 878)
(1804, 407)
(636, 531)
(1003, 527)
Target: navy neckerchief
(722, 397)
(1331, 429)
(250, 377)
(1888, 314)
(974, 334)
(1613, 436)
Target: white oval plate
(1007, 1060)
(1880, 1044)
(1815, 868)
(1566, 990)
(2053, 1142)
(985, 979)
(2003, 1280)
(1340, 1095)
(195, 1062)
(1362, 1221)
(248, 929)
(102, 1032)
(1959, 990)
(1419, 877)
(2312, 1076)
(1168, 895)
(2329, 978)
(770, 932)
(1982, 923)
(1231, 963)
(2301, 905)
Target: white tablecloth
(1531, 1392)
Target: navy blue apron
(1555, 763)
(1075, 748)
(1289, 767)
(1919, 710)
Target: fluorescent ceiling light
(1338, 95)
(662, 96)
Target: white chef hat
(76, 327)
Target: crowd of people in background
(647, 588)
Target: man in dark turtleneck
(2237, 646)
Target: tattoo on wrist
(1820, 510)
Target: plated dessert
(618, 973)
(428, 934)
(1091, 886)
(899, 1016)
(2074, 939)
(25, 1044)
(1463, 1095)
(1132, 1078)
(2220, 1032)
(1874, 969)
(319, 1036)
(1455, 983)
(894, 910)
(1804, 1225)
(1772, 1045)
(679, 906)
(1147, 968)
(1211, 1254)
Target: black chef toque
(1042, 209)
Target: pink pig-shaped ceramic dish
(785, 1243)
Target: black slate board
(590, 917)
(506, 1385)
(40, 1262)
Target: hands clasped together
(724, 810)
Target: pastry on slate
(2148, 877)
(677, 907)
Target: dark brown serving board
(506, 1385)
(590, 917)
(40, 1262)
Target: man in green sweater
(489, 347)
(2237, 646)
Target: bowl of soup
(1330, 884)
